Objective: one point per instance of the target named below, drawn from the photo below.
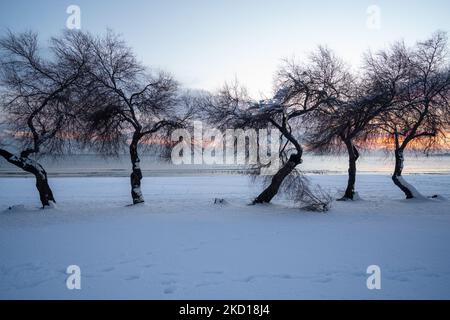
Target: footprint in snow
(207, 283)
(165, 282)
(323, 280)
(108, 269)
(170, 290)
(169, 273)
(213, 272)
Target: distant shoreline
(193, 173)
(88, 165)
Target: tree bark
(45, 192)
(396, 177)
(267, 195)
(136, 174)
(353, 156)
(33, 167)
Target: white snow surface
(415, 193)
(179, 245)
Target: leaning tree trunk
(136, 174)
(33, 167)
(397, 176)
(45, 192)
(353, 156)
(270, 192)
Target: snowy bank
(179, 245)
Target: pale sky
(205, 43)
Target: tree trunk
(267, 195)
(45, 192)
(397, 176)
(33, 167)
(136, 174)
(353, 156)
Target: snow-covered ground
(179, 245)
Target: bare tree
(127, 104)
(311, 197)
(420, 111)
(300, 89)
(36, 98)
(350, 122)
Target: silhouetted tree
(127, 104)
(300, 89)
(420, 111)
(36, 98)
(349, 121)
